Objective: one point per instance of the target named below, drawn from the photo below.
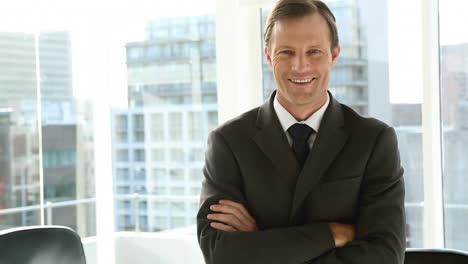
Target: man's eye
(285, 52)
(313, 51)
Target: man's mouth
(301, 81)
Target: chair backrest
(435, 256)
(41, 245)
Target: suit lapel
(271, 139)
(328, 143)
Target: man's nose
(300, 64)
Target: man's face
(301, 58)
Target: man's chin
(303, 101)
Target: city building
(158, 142)
(66, 127)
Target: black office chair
(41, 245)
(435, 256)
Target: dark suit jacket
(352, 175)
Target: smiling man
(302, 178)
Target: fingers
(222, 227)
(234, 215)
(238, 206)
(235, 209)
(228, 219)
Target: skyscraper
(47, 56)
(158, 143)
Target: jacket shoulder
(240, 126)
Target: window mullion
(433, 228)
(39, 127)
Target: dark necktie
(300, 133)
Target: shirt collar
(287, 120)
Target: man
(302, 178)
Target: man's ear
(268, 56)
(336, 54)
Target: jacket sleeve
(380, 236)
(222, 180)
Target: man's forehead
(313, 19)
(312, 30)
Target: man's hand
(233, 217)
(342, 233)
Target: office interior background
(105, 110)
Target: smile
(301, 81)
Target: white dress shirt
(287, 120)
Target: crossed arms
(228, 233)
(232, 217)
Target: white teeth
(301, 81)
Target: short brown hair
(297, 9)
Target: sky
(112, 23)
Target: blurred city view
(158, 141)
(67, 135)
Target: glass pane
(368, 78)
(454, 92)
(67, 137)
(66, 128)
(79, 217)
(159, 139)
(19, 137)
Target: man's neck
(302, 112)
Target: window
(157, 121)
(153, 51)
(208, 48)
(454, 112)
(212, 120)
(139, 174)
(160, 223)
(139, 155)
(161, 206)
(195, 191)
(177, 155)
(196, 154)
(123, 189)
(144, 69)
(159, 175)
(195, 128)
(160, 190)
(138, 128)
(57, 124)
(158, 155)
(175, 126)
(196, 175)
(123, 174)
(178, 222)
(178, 206)
(176, 175)
(134, 54)
(178, 191)
(171, 88)
(143, 205)
(122, 137)
(122, 155)
(124, 205)
(121, 122)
